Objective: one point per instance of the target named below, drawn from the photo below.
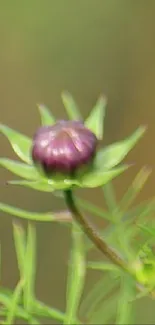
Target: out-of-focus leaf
(148, 229)
(94, 292)
(134, 189)
(99, 178)
(70, 106)
(30, 268)
(125, 308)
(112, 155)
(95, 121)
(92, 208)
(104, 296)
(20, 169)
(102, 266)
(105, 313)
(46, 116)
(12, 308)
(110, 198)
(44, 185)
(97, 295)
(6, 300)
(40, 309)
(20, 246)
(76, 275)
(20, 143)
(27, 214)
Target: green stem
(92, 233)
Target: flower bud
(63, 147)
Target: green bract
(105, 165)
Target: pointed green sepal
(45, 115)
(19, 169)
(70, 106)
(99, 178)
(95, 121)
(113, 154)
(20, 143)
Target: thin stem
(99, 242)
(92, 233)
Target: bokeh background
(88, 47)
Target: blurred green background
(87, 47)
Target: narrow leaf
(40, 309)
(95, 121)
(148, 229)
(20, 169)
(44, 185)
(102, 266)
(134, 189)
(20, 143)
(6, 301)
(46, 116)
(99, 178)
(124, 310)
(101, 298)
(20, 246)
(14, 303)
(92, 208)
(97, 294)
(110, 197)
(76, 275)
(36, 216)
(105, 312)
(70, 106)
(112, 155)
(30, 267)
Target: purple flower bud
(63, 147)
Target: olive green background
(88, 47)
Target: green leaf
(102, 266)
(106, 289)
(12, 309)
(124, 310)
(30, 268)
(99, 178)
(98, 291)
(112, 155)
(148, 229)
(20, 143)
(20, 169)
(92, 208)
(110, 198)
(134, 189)
(26, 214)
(6, 300)
(45, 185)
(46, 116)
(105, 312)
(70, 106)
(95, 121)
(40, 309)
(20, 246)
(76, 275)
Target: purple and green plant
(64, 156)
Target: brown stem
(92, 233)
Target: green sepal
(95, 121)
(45, 115)
(113, 154)
(20, 143)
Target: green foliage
(94, 122)
(96, 175)
(129, 233)
(46, 116)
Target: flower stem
(92, 233)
